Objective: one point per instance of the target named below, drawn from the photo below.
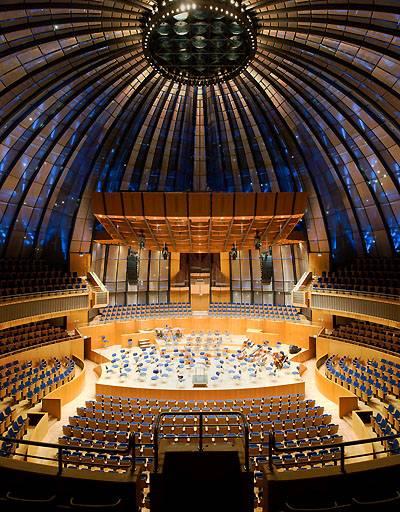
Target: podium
(200, 377)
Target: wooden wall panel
(245, 204)
(133, 204)
(98, 207)
(222, 204)
(300, 203)
(154, 205)
(265, 206)
(176, 204)
(200, 204)
(284, 203)
(113, 203)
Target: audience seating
(32, 381)
(16, 430)
(296, 422)
(21, 277)
(270, 311)
(377, 379)
(371, 275)
(141, 311)
(369, 334)
(31, 335)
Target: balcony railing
(356, 302)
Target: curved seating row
(372, 275)
(373, 379)
(368, 334)
(296, 423)
(29, 381)
(141, 311)
(270, 311)
(31, 335)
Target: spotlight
(257, 242)
(142, 242)
(165, 252)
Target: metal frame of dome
(232, 9)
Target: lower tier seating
(33, 380)
(379, 379)
(270, 311)
(296, 422)
(142, 311)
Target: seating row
(278, 312)
(33, 383)
(159, 310)
(32, 335)
(377, 276)
(365, 381)
(368, 334)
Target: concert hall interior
(200, 255)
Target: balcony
(374, 307)
(18, 309)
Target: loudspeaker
(266, 268)
(132, 267)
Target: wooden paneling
(284, 203)
(245, 205)
(200, 204)
(300, 203)
(222, 205)
(113, 202)
(176, 204)
(98, 203)
(154, 205)
(265, 206)
(133, 204)
(200, 394)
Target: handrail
(200, 436)
(272, 447)
(82, 291)
(98, 281)
(130, 450)
(301, 282)
(344, 291)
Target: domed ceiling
(316, 108)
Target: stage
(166, 369)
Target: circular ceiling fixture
(199, 43)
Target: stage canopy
(198, 221)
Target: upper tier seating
(270, 311)
(32, 381)
(142, 311)
(379, 379)
(21, 277)
(372, 275)
(368, 334)
(296, 422)
(31, 335)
